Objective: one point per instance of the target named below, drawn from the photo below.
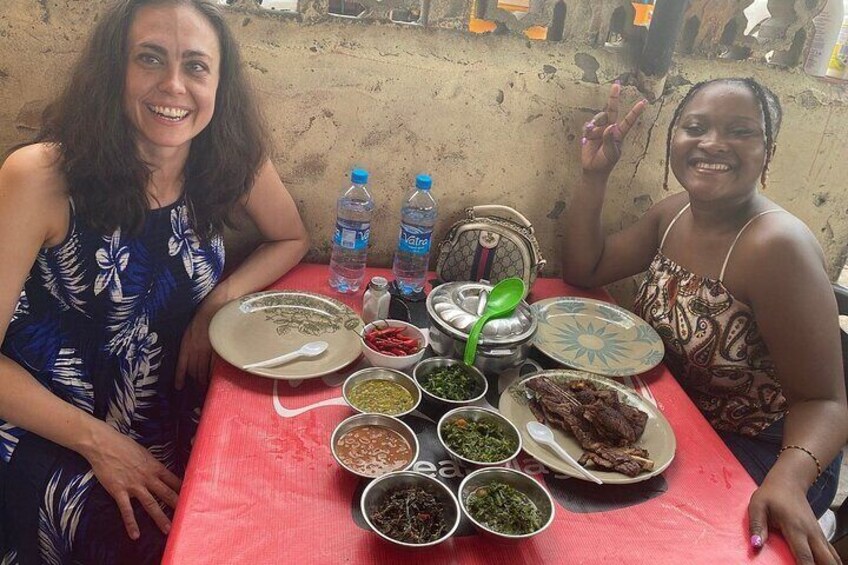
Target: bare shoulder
(778, 237)
(777, 254)
(666, 209)
(33, 189)
(34, 169)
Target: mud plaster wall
(494, 119)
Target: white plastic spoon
(311, 349)
(544, 435)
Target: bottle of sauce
(375, 302)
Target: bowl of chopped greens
(381, 391)
(448, 383)
(410, 509)
(478, 437)
(505, 503)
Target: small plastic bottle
(412, 256)
(375, 302)
(354, 209)
(837, 67)
(826, 26)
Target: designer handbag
(492, 243)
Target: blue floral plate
(595, 336)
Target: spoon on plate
(503, 300)
(544, 435)
(311, 349)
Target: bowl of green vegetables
(478, 437)
(506, 504)
(448, 383)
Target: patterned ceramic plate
(268, 324)
(596, 336)
(658, 438)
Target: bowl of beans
(393, 343)
(371, 445)
(382, 391)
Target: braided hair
(769, 104)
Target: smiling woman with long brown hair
(110, 241)
(738, 291)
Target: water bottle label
(352, 237)
(414, 239)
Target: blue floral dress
(99, 323)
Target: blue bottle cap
(359, 176)
(424, 182)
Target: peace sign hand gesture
(602, 136)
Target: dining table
(262, 485)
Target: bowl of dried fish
(505, 503)
(410, 509)
(478, 437)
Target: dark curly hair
(106, 175)
(769, 104)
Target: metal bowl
(504, 342)
(521, 482)
(375, 373)
(477, 414)
(389, 422)
(427, 366)
(379, 487)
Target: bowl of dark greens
(382, 391)
(410, 509)
(478, 437)
(448, 383)
(371, 445)
(505, 503)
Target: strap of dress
(673, 220)
(738, 235)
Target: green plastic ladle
(503, 300)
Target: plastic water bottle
(418, 215)
(354, 209)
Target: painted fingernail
(583, 141)
(618, 82)
(756, 541)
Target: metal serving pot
(504, 343)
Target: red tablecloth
(261, 488)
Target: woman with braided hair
(738, 291)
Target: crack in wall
(647, 142)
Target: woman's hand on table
(196, 354)
(603, 134)
(784, 507)
(127, 470)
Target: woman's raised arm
(590, 258)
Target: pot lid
(456, 306)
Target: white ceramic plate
(268, 324)
(658, 438)
(595, 336)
